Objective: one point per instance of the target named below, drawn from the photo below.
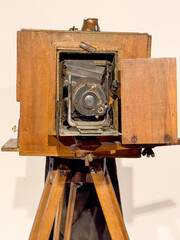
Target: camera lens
(89, 101)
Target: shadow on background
(29, 188)
(126, 188)
(130, 212)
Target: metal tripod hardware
(87, 157)
(148, 152)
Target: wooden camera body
(75, 85)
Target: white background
(150, 187)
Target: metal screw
(134, 139)
(167, 138)
(100, 110)
(93, 170)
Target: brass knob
(14, 128)
(91, 24)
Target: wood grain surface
(10, 146)
(48, 207)
(109, 206)
(40, 211)
(149, 101)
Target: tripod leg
(57, 226)
(70, 211)
(115, 203)
(48, 207)
(40, 211)
(109, 206)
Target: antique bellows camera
(85, 86)
(90, 95)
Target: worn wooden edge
(18, 77)
(149, 44)
(109, 147)
(131, 153)
(128, 151)
(152, 145)
(81, 32)
(147, 59)
(10, 146)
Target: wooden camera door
(149, 101)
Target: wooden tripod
(51, 205)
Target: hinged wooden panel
(149, 101)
